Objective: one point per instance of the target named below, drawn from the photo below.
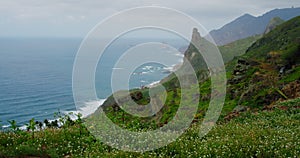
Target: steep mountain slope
(248, 25)
(270, 70)
(237, 48)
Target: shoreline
(91, 107)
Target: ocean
(36, 75)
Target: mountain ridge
(248, 25)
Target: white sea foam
(143, 81)
(179, 55)
(168, 68)
(5, 126)
(90, 107)
(147, 67)
(153, 84)
(145, 72)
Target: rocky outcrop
(273, 23)
(195, 36)
(136, 96)
(240, 70)
(250, 86)
(238, 76)
(292, 90)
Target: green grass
(295, 75)
(283, 39)
(273, 133)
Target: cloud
(63, 16)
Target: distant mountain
(248, 25)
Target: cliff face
(192, 54)
(193, 57)
(195, 36)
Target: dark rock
(239, 71)
(247, 95)
(240, 108)
(136, 96)
(292, 90)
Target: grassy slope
(171, 84)
(272, 133)
(237, 48)
(277, 49)
(284, 39)
(259, 86)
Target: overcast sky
(75, 18)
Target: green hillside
(284, 40)
(255, 79)
(256, 71)
(237, 48)
(269, 70)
